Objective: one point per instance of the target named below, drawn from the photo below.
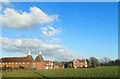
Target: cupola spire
(29, 53)
(40, 53)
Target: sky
(62, 31)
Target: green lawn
(111, 71)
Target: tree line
(105, 61)
(94, 62)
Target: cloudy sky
(61, 32)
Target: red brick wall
(16, 64)
(40, 65)
(56, 66)
(78, 63)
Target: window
(16, 63)
(12, 63)
(9, 63)
(3, 63)
(0, 63)
(23, 63)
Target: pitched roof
(56, 63)
(47, 61)
(28, 58)
(80, 60)
(39, 58)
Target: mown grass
(111, 71)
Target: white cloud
(50, 31)
(56, 39)
(0, 8)
(5, 2)
(55, 51)
(19, 19)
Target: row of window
(78, 63)
(15, 63)
(14, 66)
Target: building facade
(78, 63)
(38, 63)
(27, 62)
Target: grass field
(111, 71)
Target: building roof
(80, 60)
(28, 58)
(56, 63)
(39, 58)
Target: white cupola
(29, 53)
(40, 53)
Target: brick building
(26, 62)
(77, 63)
(38, 63)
